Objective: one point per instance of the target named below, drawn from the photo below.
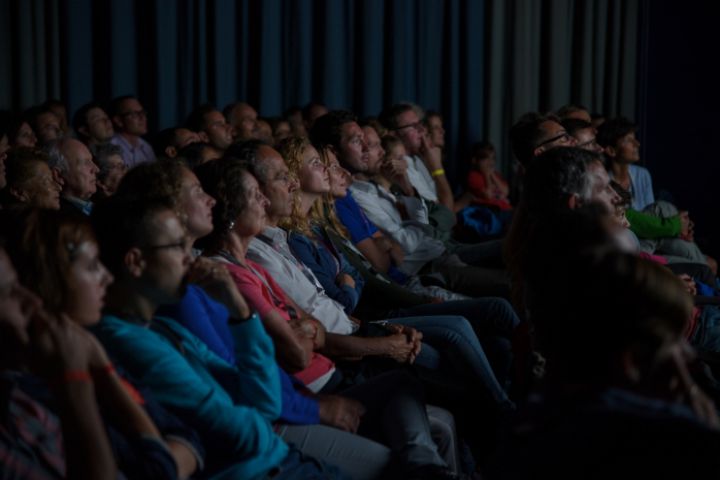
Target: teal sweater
(231, 406)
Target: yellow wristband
(437, 173)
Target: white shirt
(271, 250)
(414, 235)
(420, 178)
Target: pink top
(265, 296)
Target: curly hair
(292, 150)
(223, 180)
(157, 182)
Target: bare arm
(372, 249)
(60, 352)
(432, 156)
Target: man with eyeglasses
(533, 134)
(425, 169)
(130, 121)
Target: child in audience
(485, 183)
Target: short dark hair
(192, 154)
(573, 125)
(613, 130)
(196, 120)
(566, 110)
(327, 130)
(155, 182)
(388, 117)
(79, 119)
(554, 176)
(122, 223)
(114, 106)
(526, 133)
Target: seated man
(231, 406)
(418, 245)
(74, 169)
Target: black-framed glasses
(134, 114)
(183, 244)
(417, 126)
(564, 136)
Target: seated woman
(70, 442)
(57, 254)
(310, 242)
(30, 181)
(238, 216)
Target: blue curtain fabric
(480, 63)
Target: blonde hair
(292, 150)
(323, 211)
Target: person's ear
(57, 176)
(574, 201)
(203, 137)
(610, 151)
(171, 151)
(84, 131)
(19, 193)
(630, 370)
(134, 262)
(117, 122)
(538, 151)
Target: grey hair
(101, 153)
(56, 159)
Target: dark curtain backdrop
(481, 63)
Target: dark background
(680, 110)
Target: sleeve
(352, 217)
(308, 253)
(192, 394)
(253, 291)
(649, 226)
(410, 237)
(205, 318)
(297, 409)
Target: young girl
(485, 183)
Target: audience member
(29, 180)
(211, 125)
(130, 120)
(111, 168)
(75, 170)
(92, 125)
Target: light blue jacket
(231, 406)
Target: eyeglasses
(184, 244)
(564, 137)
(134, 114)
(417, 126)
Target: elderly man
(74, 169)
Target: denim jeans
(455, 335)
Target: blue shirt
(360, 228)
(207, 319)
(327, 266)
(232, 406)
